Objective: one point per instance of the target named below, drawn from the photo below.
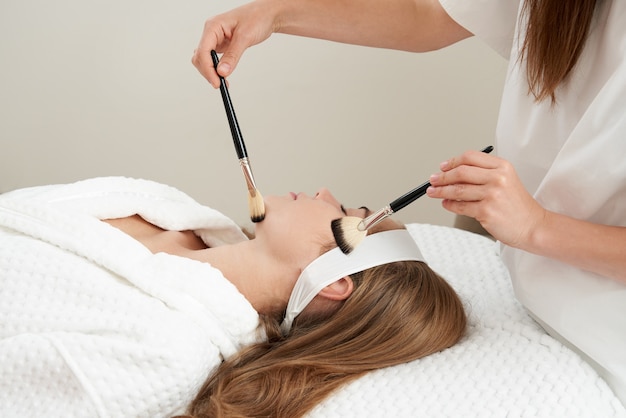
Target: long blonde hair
(555, 37)
(398, 312)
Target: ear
(339, 290)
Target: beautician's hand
(232, 33)
(488, 189)
(416, 25)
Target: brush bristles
(347, 234)
(256, 206)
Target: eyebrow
(368, 212)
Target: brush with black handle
(349, 231)
(255, 200)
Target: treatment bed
(506, 366)
(134, 361)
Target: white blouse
(572, 158)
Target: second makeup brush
(349, 231)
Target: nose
(325, 195)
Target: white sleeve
(493, 21)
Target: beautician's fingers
(512, 219)
(231, 34)
(214, 37)
(204, 63)
(460, 175)
(199, 61)
(460, 192)
(471, 158)
(495, 197)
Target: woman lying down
(124, 297)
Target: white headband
(375, 250)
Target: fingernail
(224, 68)
(434, 178)
(430, 191)
(444, 165)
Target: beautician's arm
(411, 25)
(593, 247)
(487, 188)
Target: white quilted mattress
(506, 366)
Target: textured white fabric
(506, 366)
(86, 334)
(571, 157)
(91, 322)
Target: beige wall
(106, 88)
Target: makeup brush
(349, 231)
(255, 200)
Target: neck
(257, 275)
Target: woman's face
(298, 226)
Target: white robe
(91, 322)
(572, 158)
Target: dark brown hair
(556, 34)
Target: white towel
(91, 322)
